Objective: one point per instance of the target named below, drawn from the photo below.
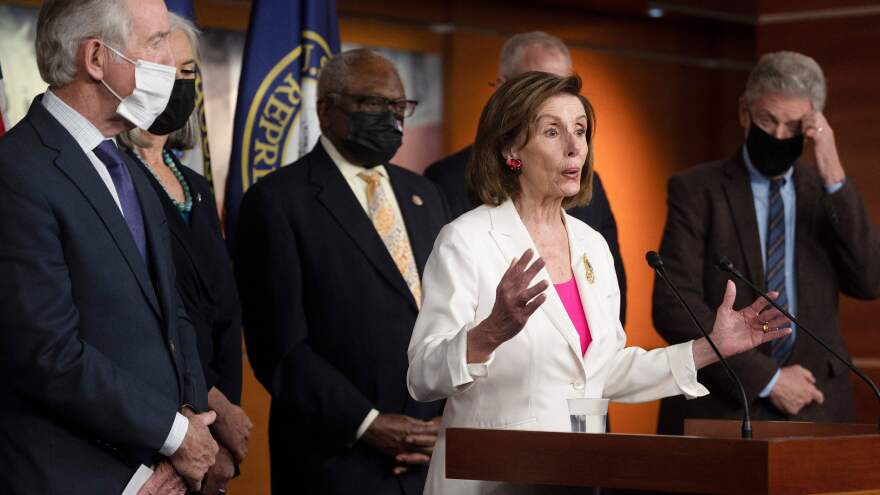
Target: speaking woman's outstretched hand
(515, 301)
(738, 331)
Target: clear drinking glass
(588, 415)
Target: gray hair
(790, 73)
(515, 47)
(184, 25)
(63, 25)
(337, 72)
(181, 139)
(185, 137)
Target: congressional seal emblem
(282, 121)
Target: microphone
(725, 265)
(656, 262)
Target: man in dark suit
(522, 53)
(328, 259)
(797, 229)
(99, 358)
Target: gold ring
(765, 327)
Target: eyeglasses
(373, 103)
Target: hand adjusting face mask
(153, 85)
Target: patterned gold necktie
(392, 231)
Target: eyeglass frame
(385, 105)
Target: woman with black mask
(204, 273)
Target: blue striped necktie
(775, 273)
(108, 153)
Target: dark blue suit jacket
(448, 173)
(328, 319)
(96, 354)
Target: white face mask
(153, 85)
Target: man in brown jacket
(801, 230)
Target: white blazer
(525, 383)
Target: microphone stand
(655, 262)
(725, 265)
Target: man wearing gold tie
(329, 254)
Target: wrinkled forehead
(565, 107)
(781, 106)
(149, 20)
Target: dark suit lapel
(415, 217)
(807, 194)
(340, 201)
(738, 191)
(161, 260)
(73, 162)
(156, 226)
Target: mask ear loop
(117, 52)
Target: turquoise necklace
(184, 208)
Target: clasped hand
(409, 440)
(187, 467)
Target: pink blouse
(571, 299)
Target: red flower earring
(514, 165)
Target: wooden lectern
(782, 458)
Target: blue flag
(183, 8)
(288, 42)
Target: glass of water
(588, 415)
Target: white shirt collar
(84, 132)
(348, 169)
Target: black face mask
(771, 156)
(374, 137)
(180, 107)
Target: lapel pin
(198, 197)
(588, 270)
(417, 200)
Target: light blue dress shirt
(761, 196)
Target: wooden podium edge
(667, 463)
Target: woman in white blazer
(506, 352)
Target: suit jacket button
(171, 344)
(578, 385)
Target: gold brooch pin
(417, 200)
(588, 270)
